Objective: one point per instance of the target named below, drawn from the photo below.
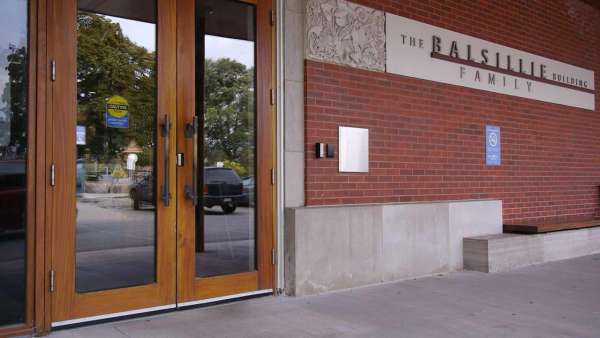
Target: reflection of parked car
(248, 193)
(13, 200)
(223, 187)
(81, 174)
(142, 191)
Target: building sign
(427, 52)
(80, 135)
(493, 151)
(117, 112)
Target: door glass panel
(116, 138)
(13, 156)
(225, 92)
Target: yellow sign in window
(117, 112)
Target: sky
(143, 34)
(13, 30)
(239, 50)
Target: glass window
(116, 141)
(13, 157)
(225, 92)
(212, 175)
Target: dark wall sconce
(323, 150)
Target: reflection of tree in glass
(229, 113)
(14, 97)
(109, 64)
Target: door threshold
(223, 299)
(119, 315)
(66, 324)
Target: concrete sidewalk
(560, 299)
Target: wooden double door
(160, 153)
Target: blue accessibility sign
(493, 152)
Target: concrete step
(504, 252)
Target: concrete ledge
(503, 252)
(338, 247)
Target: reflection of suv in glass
(81, 174)
(248, 193)
(223, 187)
(13, 199)
(142, 191)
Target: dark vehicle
(247, 199)
(142, 191)
(12, 196)
(80, 165)
(223, 187)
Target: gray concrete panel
(471, 219)
(340, 247)
(294, 179)
(294, 46)
(294, 116)
(415, 240)
(296, 6)
(293, 106)
(504, 252)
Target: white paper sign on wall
(428, 52)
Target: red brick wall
(427, 138)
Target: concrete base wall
(339, 247)
(503, 252)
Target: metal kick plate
(353, 150)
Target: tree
(14, 95)
(229, 112)
(109, 64)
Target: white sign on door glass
(427, 52)
(80, 135)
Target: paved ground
(115, 244)
(115, 247)
(560, 299)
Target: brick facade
(427, 138)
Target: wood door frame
(34, 229)
(40, 203)
(265, 142)
(190, 288)
(40, 148)
(66, 303)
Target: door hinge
(52, 175)
(273, 256)
(53, 70)
(273, 177)
(51, 280)
(272, 98)
(273, 17)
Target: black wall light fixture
(323, 150)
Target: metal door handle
(191, 131)
(166, 192)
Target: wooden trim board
(549, 227)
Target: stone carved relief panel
(342, 32)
